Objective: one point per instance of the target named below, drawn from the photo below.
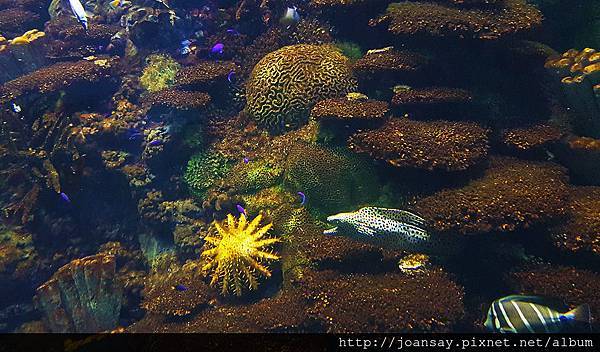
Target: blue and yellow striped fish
(531, 314)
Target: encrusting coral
(286, 83)
(432, 145)
(513, 194)
(234, 257)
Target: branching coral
(234, 257)
(287, 82)
(159, 73)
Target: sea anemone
(236, 254)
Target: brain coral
(286, 83)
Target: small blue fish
(302, 198)
(240, 209)
(531, 314)
(65, 197)
(155, 143)
(217, 49)
(16, 108)
(290, 17)
(231, 76)
(180, 287)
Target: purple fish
(65, 197)
(218, 48)
(231, 76)
(303, 198)
(241, 209)
(155, 143)
(246, 160)
(180, 287)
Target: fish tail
(580, 314)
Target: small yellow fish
(115, 3)
(356, 96)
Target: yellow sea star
(236, 253)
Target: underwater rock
(579, 76)
(574, 286)
(59, 76)
(507, 18)
(15, 21)
(513, 194)
(329, 180)
(204, 74)
(176, 293)
(431, 145)
(389, 64)
(82, 296)
(19, 262)
(533, 140)
(429, 302)
(581, 155)
(178, 99)
(286, 83)
(581, 232)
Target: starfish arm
(266, 255)
(253, 224)
(262, 231)
(256, 265)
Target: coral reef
(389, 64)
(255, 175)
(510, 17)
(574, 286)
(22, 54)
(579, 76)
(71, 41)
(329, 180)
(435, 145)
(346, 110)
(581, 232)
(82, 296)
(512, 195)
(384, 303)
(204, 74)
(429, 96)
(159, 73)
(178, 99)
(235, 255)
(176, 293)
(530, 140)
(58, 76)
(204, 170)
(15, 20)
(581, 155)
(286, 83)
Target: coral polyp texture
(159, 73)
(431, 96)
(389, 62)
(508, 17)
(581, 155)
(534, 139)
(433, 145)
(581, 232)
(204, 170)
(344, 109)
(205, 73)
(384, 303)
(178, 99)
(15, 20)
(286, 83)
(82, 296)
(58, 76)
(579, 74)
(237, 255)
(512, 195)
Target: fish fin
(331, 232)
(549, 302)
(580, 314)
